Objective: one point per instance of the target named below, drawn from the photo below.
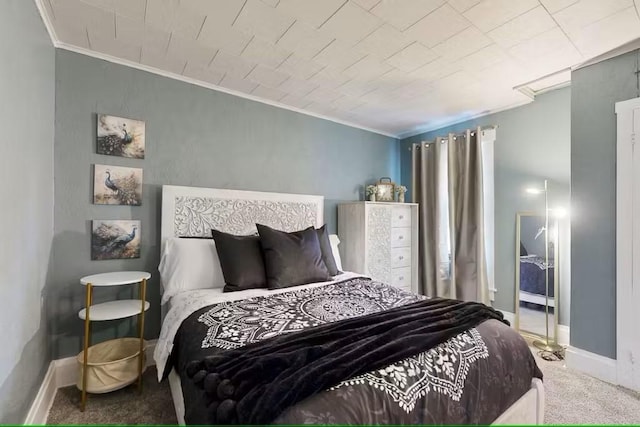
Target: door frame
(627, 239)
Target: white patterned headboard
(194, 211)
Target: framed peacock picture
(116, 185)
(115, 239)
(119, 136)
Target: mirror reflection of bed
(535, 267)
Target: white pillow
(333, 239)
(188, 264)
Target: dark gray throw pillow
(241, 261)
(292, 259)
(327, 253)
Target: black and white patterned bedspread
(422, 388)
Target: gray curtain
(466, 275)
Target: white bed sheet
(185, 303)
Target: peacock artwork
(115, 239)
(116, 185)
(118, 136)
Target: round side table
(112, 310)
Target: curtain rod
(491, 127)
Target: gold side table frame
(142, 293)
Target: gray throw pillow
(241, 261)
(327, 253)
(292, 259)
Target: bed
(533, 270)
(483, 375)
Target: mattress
(471, 378)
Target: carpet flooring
(571, 398)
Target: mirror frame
(556, 253)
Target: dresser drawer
(401, 277)
(400, 257)
(400, 237)
(401, 216)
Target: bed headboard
(194, 211)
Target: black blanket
(256, 383)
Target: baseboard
(563, 335)
(600, 367)
(63, 373)
(44, 399)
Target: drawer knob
(400, 237)
(401, 217)
(401, 278)
(400, 257)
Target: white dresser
(380, 240)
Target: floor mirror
(537, 265)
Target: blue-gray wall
(595, 91)
(26, 217)
(195, 137)
(532, 143)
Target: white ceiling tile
(265, 53)
(323, 95)
(438, 26)
(131, 32)
(168, 15)
(404, 13)
(395, 78)
(267, 76)
(462, 44)
(262, 20)
(554, 6)
(300, 68)
(205, 74)
(312, 12)
(586, 12)
(268, 93)
(295, 101)
(160, 14)
(463, 5)
(608, 33)
(114, 47)
(190, 50)
(436, 69)
(540, 46)
(232, 64)
(297, 86)
(368, 68)
(321, 108)
(161, 61)
(78, 15)
(218, 12)
(223, 37)
(329, 77)
(304, 40)
(351, 23)
(384, 42)
(73, 34)
(132, 9)
(524, 27)
(457, 80)
(237, 83)
(490, 14)
(347, 103)
(367, 4)
(357, 88)
(338, 55)
(485, 57)
(412, 57)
